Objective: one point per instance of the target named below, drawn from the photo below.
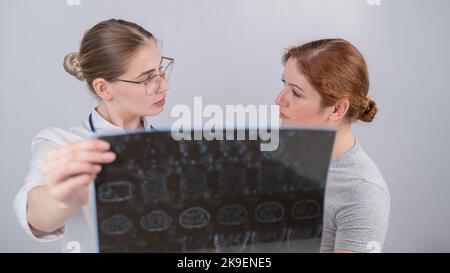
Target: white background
(229, 52)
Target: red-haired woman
(326, 83)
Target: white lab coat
(79, 232)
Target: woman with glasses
(124, 70)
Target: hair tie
(76, 63)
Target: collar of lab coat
(102, 125)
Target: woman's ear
(339, 110)
(100, 87)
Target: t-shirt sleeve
(362, 218)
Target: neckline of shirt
(102, 124)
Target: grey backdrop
(229, 52)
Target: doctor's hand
(69, 170)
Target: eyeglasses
(153, 82)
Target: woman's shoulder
(369, 173)
(357, 167)
(60, 136)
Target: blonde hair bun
(72, 66)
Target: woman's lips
(283, 116)
(160, 103)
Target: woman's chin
(156, 111)
(287, 122)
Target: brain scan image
(165, 195)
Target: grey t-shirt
(357, 204)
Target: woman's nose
(281, 98)
(164, 86)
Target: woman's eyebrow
(297, 87)
(149, 71)
(146, 72)
(294, 85)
